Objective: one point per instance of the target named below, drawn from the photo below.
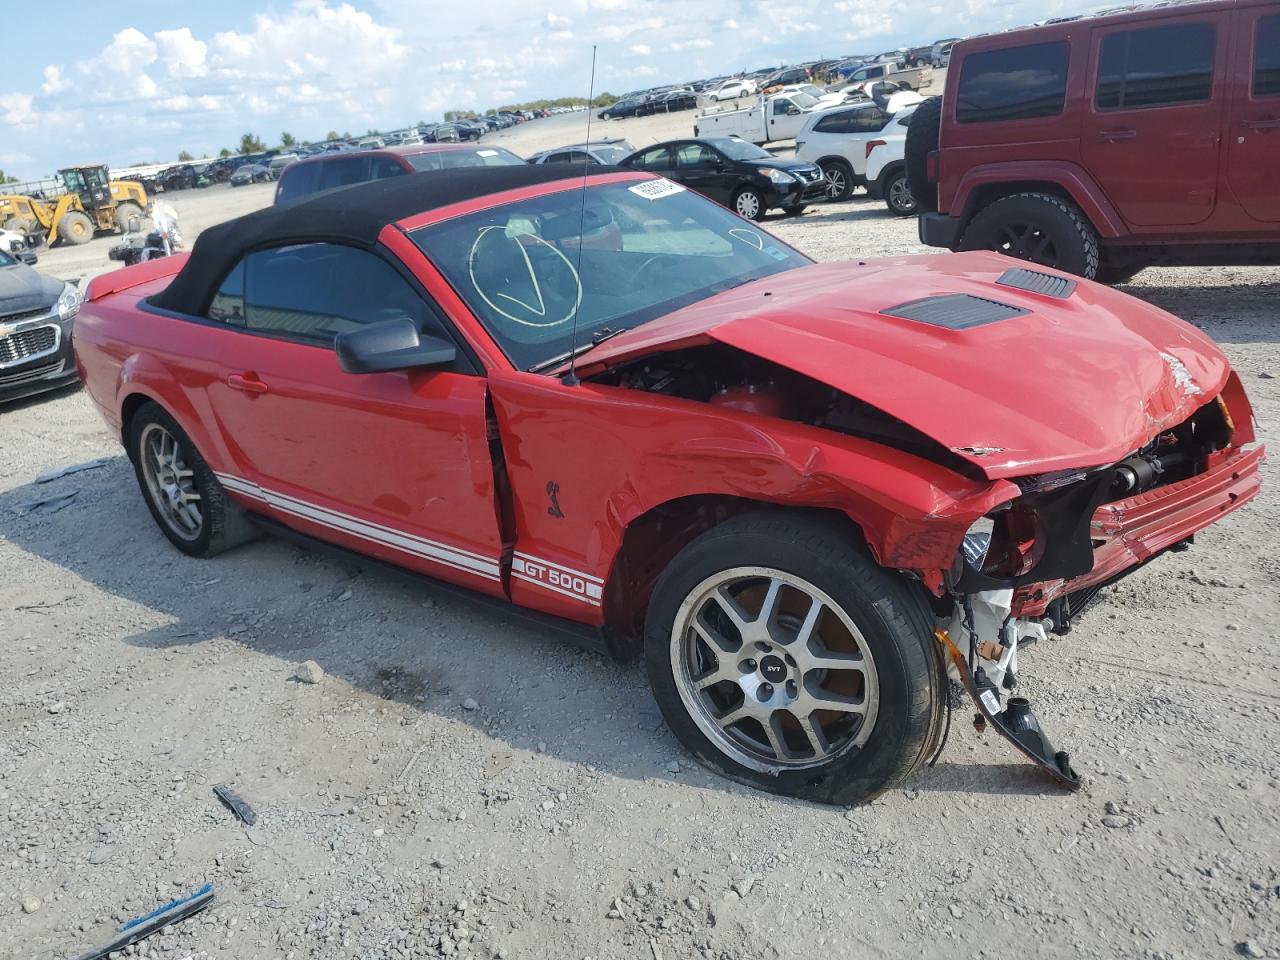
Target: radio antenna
(571, 378)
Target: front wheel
(749, 204)
(784, 657)
(839, 177)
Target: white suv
(839, 141)
(886, 170)
(732, 90)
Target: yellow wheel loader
(90, 202)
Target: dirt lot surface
(456, 785)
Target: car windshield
(803, 100)
(453, 159)
(647, 248)
(809, 90)
(6, 260)
(741, 150)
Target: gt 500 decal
(558, 579)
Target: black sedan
(250, 173)
(36, 313)
(740, 175)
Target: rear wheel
(749, 203)
(1038, 227)
(125, 212)
(75, 227)
(784, 657)
(839, 176)
(897, 195)
(185, 498)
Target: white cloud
(308, 66)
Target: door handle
(1262, 124)
(1117, 134)
(249, 384)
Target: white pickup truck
(779, 117)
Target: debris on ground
(236, 804)
(48, 505)
(139, 928)
(308, 672)
(58, 472)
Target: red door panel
(1151, 136)
(392, 464)
(1253, 139)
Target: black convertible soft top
(353, 215)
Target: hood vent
(1033, 281)
(957, 311)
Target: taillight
(931, 166)
(872, 144)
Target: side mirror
(390, 345)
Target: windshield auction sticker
(656, 189)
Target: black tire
(891, 615)
(922, 140)
(795, 211)
(75, 228)
(839, 177)
(125, 212)
(224, 523)
(742, 203)
(897, 194)
(1038, 227)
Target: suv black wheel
(784, 657)
(1039, 227)
(922, 140)
(186, 500)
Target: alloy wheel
(900, 196)
(1026, 241)
(773, 672)
(835, 183)
(170, 482)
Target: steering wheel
(648, 263)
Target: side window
(1266, 57)
(875, 72)
(383, 168)
(1156, 67)
(834, 123)
(312, 292)
(343, 171)
(561, 157)
(870, 120)
(656, 159)
(298, 180)
(694, 156)
(228, 302)
(1017, 83)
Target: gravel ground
(456, 785)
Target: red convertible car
(805, 492)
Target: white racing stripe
(432, 550)
(525, 567)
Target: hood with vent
(1020, 371)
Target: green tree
(5, 178)
(185, 157)
(224, 152)
(331, 135)
(287, 140)
(251, 144)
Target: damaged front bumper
(992, 621)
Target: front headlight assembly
(69, 301)
(779, 177)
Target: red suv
(343, 168)
(1101, 146)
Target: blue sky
(139, 82)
